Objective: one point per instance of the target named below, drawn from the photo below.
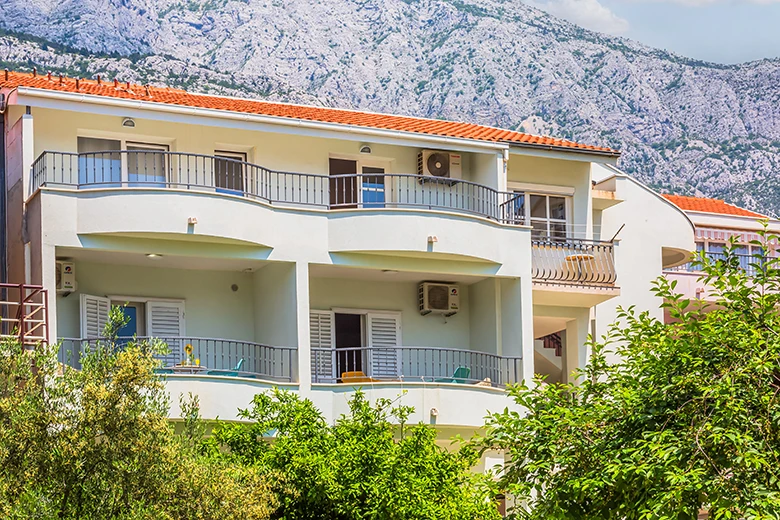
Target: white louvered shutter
(384, 335)
(322, 336)
(94, 315)
(165, 320)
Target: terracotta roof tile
(710, 206)
(113, 89)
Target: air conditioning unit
(66, 277)
(444, 165)
(439, 298)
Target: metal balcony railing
(217, 356)
(216, 174)
(414, 364)
(570, 261)
(24, 313)
(747, 262)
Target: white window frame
(528, 220)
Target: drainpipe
(3, 196)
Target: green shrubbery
(97, 444)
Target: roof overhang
(36, 97)
(564, 153)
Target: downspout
(3, 196)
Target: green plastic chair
(230, 373)
(460, 376)
(163, 371)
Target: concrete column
(503, 161)
(517, 323)
(576, 353)
(46, 275)
(302, 307)
(527, 306)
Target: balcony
(361, 366)
(213, 174)
(573, 262)
(217, 357)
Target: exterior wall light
(432, 239)
(153, 255)
(128, 122)
(364, 148)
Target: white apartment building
(319, 249)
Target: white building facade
(322, 250)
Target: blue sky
(723, 31)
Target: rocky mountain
(683, 125)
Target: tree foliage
(96, 443)
(362, 467)
(687, 419)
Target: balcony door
(229, 172)
(353, 345)
(350, 190)
(147, 165)
(111, 163)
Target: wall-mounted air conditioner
(444, 165)
(66, 277)
(439, 298)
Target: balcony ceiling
(379, 275)
(166, 261)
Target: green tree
(688, 419)
(96, 443)
(362, 467)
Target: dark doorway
(343, 189)
(349, 342)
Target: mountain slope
(683, 125)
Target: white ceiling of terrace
(377, 275)
(165, 261)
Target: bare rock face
(683, 125)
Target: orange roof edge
(172, 96)
(706, 205)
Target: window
(148, 317)
(546, 214)
(715, 250)
(229, 171)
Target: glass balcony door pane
(100, 163)
(146, 165)
(373, 189)
(229, 173)
(539, 206)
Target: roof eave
(25, 93)
(611, 154)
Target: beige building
(321, 249)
